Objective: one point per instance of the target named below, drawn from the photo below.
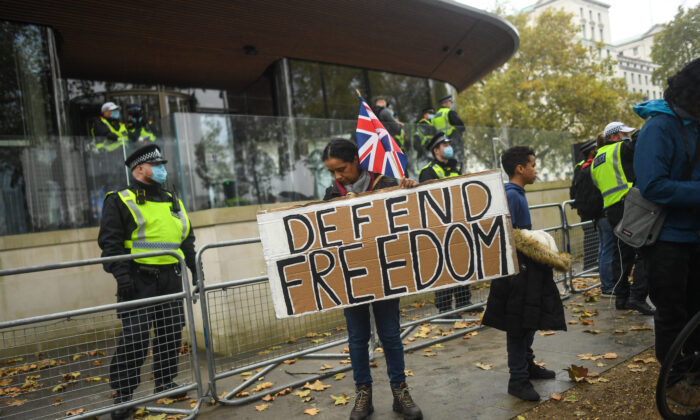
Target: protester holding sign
(342, 160)
(528, 301)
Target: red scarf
(344, 192)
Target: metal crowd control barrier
(57, 365)
(583, 245)
(560, 235)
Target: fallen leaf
(339, 376)
(316, 386)
(58, 388)
(600, 364)
(244, 374)
(640, 327)
(345, 362)
(373, 364)
(460, 325)
(285, 391)
(571, 398)
(603, 380)
(97, 363)
(318, 340)
(6, 382)
(573, 321)
(261, 352)
(311, 411)
(586, 321)
(541, 364)
(303, 394)
(307, 399)
(326, 367)
(262, 386)
(577, 373)
(75, 412)
(341, 400)
(408, 372)
(429, 354)
(437, 346)
(166, 401)
(592, 331)
(16, 403)
(556, 397)
(268, 398)
(243, 393)
(544, 333)
(610, 356)
(483, 366)
(291, 361)
(275, 347)
(619, 331)
(58, 402)
(262, 407)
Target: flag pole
(357, 91)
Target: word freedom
(387, 244)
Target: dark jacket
(383, 182)
(660, 162)
(102, 132)
(116, 226)
(527, 301)
(426, 174)
(387, 118)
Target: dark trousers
(167, 321)
(590, 245)
(387, 320)
(443, 298)
(623, 261)
(674, 279)
(520, 354)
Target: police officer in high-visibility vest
(447, 120)
(109, 133)
(144, 217)
(140, 129)
(442, 166)
(613, 173)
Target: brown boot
(403, 403)
(363, 403)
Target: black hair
(683, 88)
(514, 156)
(339, 148)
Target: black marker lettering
(391, 214)
(309, 232)
(480, 237)
(348, 274)
(357, 220)
(387, 266)
(465, 197)
(445, 215)
(281, 264)
(413, 237)
(448, 257)
(317, 277)
(323, 229)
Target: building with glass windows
(243, 95)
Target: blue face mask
(115, 114)
(448, 152)
(159, 174)
(431, 116)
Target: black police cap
(586, 147)
(436, 140)
(146, 154)
(444, 99)
(428, 110)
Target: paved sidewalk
(449, 385)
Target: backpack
(588, 201)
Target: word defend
(388, 243)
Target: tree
(677, 44)
(552, 91)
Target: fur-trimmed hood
(541, 247)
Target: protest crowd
(622, 170)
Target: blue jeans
(606, 251)
(520, 354)
(387, 320)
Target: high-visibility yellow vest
(421, 127)
(144, 134)
(158, 228)
(441, 121)
(608, 174)
(122, 136)
(439, 171)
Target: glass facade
(261, 144)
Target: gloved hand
(111, 136)
(125, 288)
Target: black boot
(621, 303)
(168, 386)
(640, 306)
(122, 413)
(363, 403)
(539, 372)
(403, 403)
(523, 389)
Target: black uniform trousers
(167, 320)
(443, 298)
(623, 261)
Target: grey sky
(627, 17)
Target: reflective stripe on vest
(122, 136)
(439, 171)
(157, 228)
(422, 126)
(144, 134)
(441, 121)
(608, 174)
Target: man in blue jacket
(662, 164)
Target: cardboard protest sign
(387, 243)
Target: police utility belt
(156, 270)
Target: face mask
(431, 116)
(159, 174)
(448, 152)
(115, 114)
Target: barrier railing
(583, 246)
(58, 365)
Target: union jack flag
(378, 151)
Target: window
(583, 30)
(601, 35)
(625, 73)
(600, 19)
(608, 53)
(581, 10)
(634, 90)
(646, 80)
(635, 50)
(639, 78)
(590, 15)
(593, 32)
(654, 94)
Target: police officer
(109, 133)
(140, 128)
(143, 218)
(442, 166)
(613, 173)
(424, 130)
(447, 121)
(385, 114)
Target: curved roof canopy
(230, 43)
